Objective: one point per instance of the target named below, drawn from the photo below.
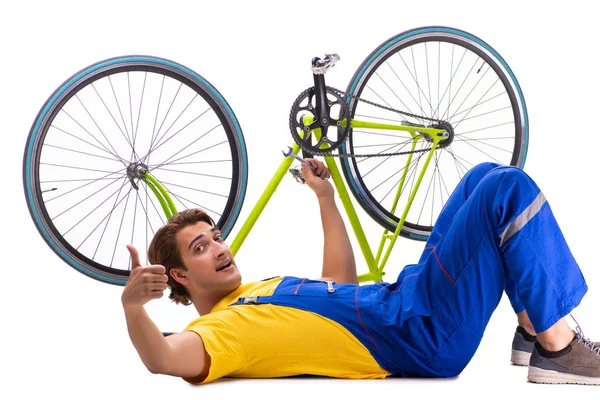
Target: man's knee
(509, 173)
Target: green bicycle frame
(375, 263)
(161, 194)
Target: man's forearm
(148, 340)
(338, 257)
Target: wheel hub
(448, 134)
(135, 172)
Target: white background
(64, 334)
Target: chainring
(304, 106)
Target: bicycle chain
(345, 155)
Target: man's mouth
(224, 266)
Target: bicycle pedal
(296, 172)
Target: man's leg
(504, 231)
(458, 198)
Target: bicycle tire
(101, 78)
(380, 62)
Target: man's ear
(179, 275)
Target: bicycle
(69, 159)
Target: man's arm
(338, 258)
(182, 354)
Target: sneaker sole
(520, 358)
(538, 375)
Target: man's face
(211, 269)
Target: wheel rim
(113, 119)
(439, 75)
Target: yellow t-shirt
(265, 341)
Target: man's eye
(218, 238)
(199, 248)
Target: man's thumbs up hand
(145, 283)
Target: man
(496, 233)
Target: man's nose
(220, 249)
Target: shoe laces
(582, 339)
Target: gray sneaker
(578, 363)
(522, 347)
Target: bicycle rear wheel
(104, 121)
(441, 73)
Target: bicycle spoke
(434, 114)
(159, 143)
(425, 201)
(487, 138)
(419, 90)
(477, 105)
(130, 105)
(487, 127)
(409, 173)
(416, 79)
(381, 152)
(471, 91)
(108, 220)
(144, 209)
(459, 122)
(87, 184)
(191, 162)
(198, 205)
(386, 158)
(375, 145)
(458, 159)
(190, 188)
(72, 167)
(133, 226)
(481, 141)
(85, 141)
(94, 137)
(100, 223)
(190, 144)
(161, 215)
(459, 88)
(137, 124)
(81, 180)
(112, 116)
(119, 232)
(83, 201)
(380, 98)
(97, 126)
(394, 174)
(119, 108)
(485, 113)
(395, 94)
(152, 143)
(449, 86)
(191, 154)
(80, 152)
(428, 80)
(381, 134)
(154, 131)
(381, 118)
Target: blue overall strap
(252, 300)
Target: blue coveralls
(495, 233)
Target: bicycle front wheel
(441, 74)
(104, 123)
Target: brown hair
(163, 249)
